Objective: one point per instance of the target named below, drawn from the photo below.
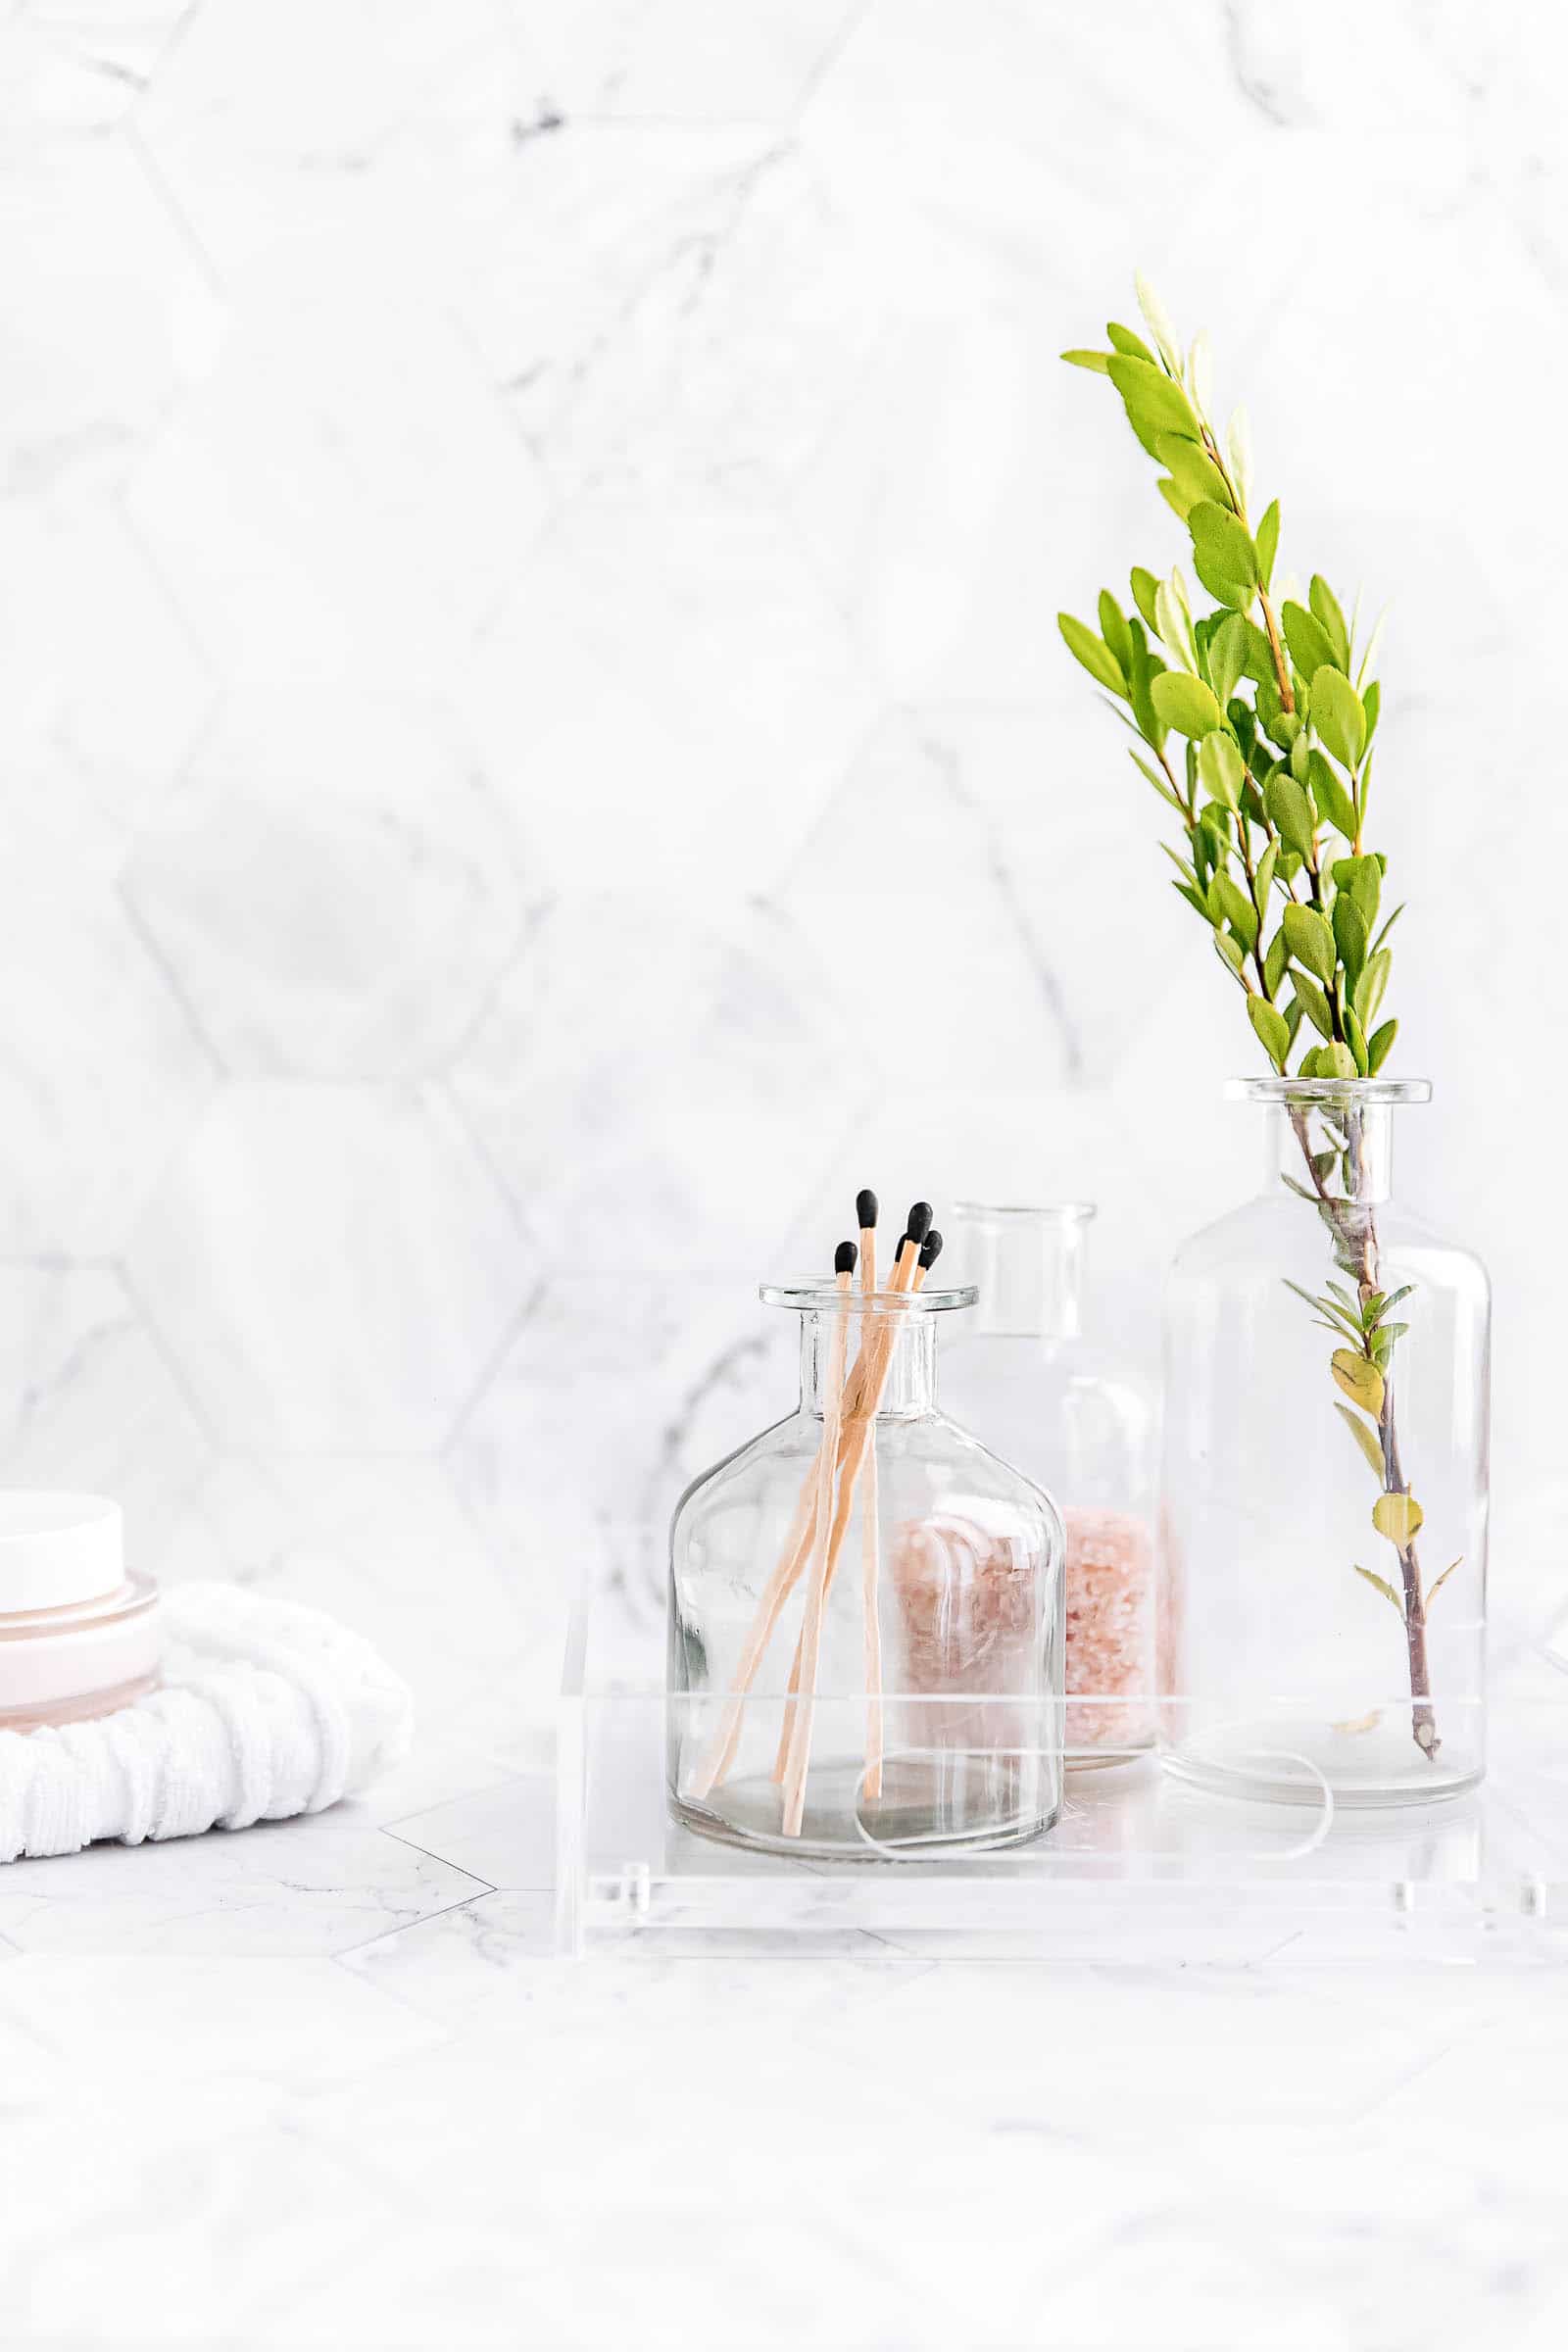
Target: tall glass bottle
(1325, 1481)
(1025, 1376)
(865, 1635)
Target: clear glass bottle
(1022, 1373)
(929, 1721)
(1324, 1494)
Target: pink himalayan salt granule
(967, 1599)
(1109, 1597)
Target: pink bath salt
(969, 1595)
(1110, 1633)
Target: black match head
(919, 1221)
(865, 1210)
(930, 1249)
(844, 1257)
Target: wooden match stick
(812, 1514)
(810, 1640)
(866, 1208)
(856, 1392)
(913, 1270)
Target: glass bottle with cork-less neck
(866, 1629)
(1325, 1479)
(1027, 1379)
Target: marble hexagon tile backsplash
(538, 758)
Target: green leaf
(1231, 950)
(1336, 1061)
(1240, 912)
(1092, 650)
(1314, 1003)
(1366, 1439)
(1146, 588)
(1334, 803)
(1311, 940)
(1271, 716)
(1228, 655)
(1155, 402)
(1338, 715)
(1177, 500)
(1399, 1517)
(1272, 1028)
(1349, 936)
(1289, 812)
(1371, 704)
(1219, 767)
(1385, 1306)
(1225, 542)
(1434, 1589)
(1194, 475)
(1355, 1037)
(1275, 962)
(1121, 339)
(1173, 620)
(1186, 703)
(1114, 630)
(1378, 1045)
(1144, 668)
(1326, 613)
(1160, 786)
(1267, 541)
(1307, 640)
(1362, 877)
(1388, 926)
(1221, 587)
(1263, 879)
(1382, 1584)
(1099, 360)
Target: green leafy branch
(1276, 713)
(1256, 724)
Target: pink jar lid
(57, 1551)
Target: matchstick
(866, 1208)
(874, 1342)
(804, 1672)
(911, 1271)
(811, 1513)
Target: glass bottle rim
(825, 1297)
(1041, 1212)
(1354, 1093)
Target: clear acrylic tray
(1138, 1866)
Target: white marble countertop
(322, 2083)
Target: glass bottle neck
(1344, 1151)
(1028, 1266)
(910, 1384)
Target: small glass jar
(865, 1613)
(1024, 1375)
(1325, 1481)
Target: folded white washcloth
(267, 1709)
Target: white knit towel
(265, 1709)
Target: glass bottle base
(1363, 1765)
(926, 1813)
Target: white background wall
(537, 756)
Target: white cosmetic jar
(78, 1636)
